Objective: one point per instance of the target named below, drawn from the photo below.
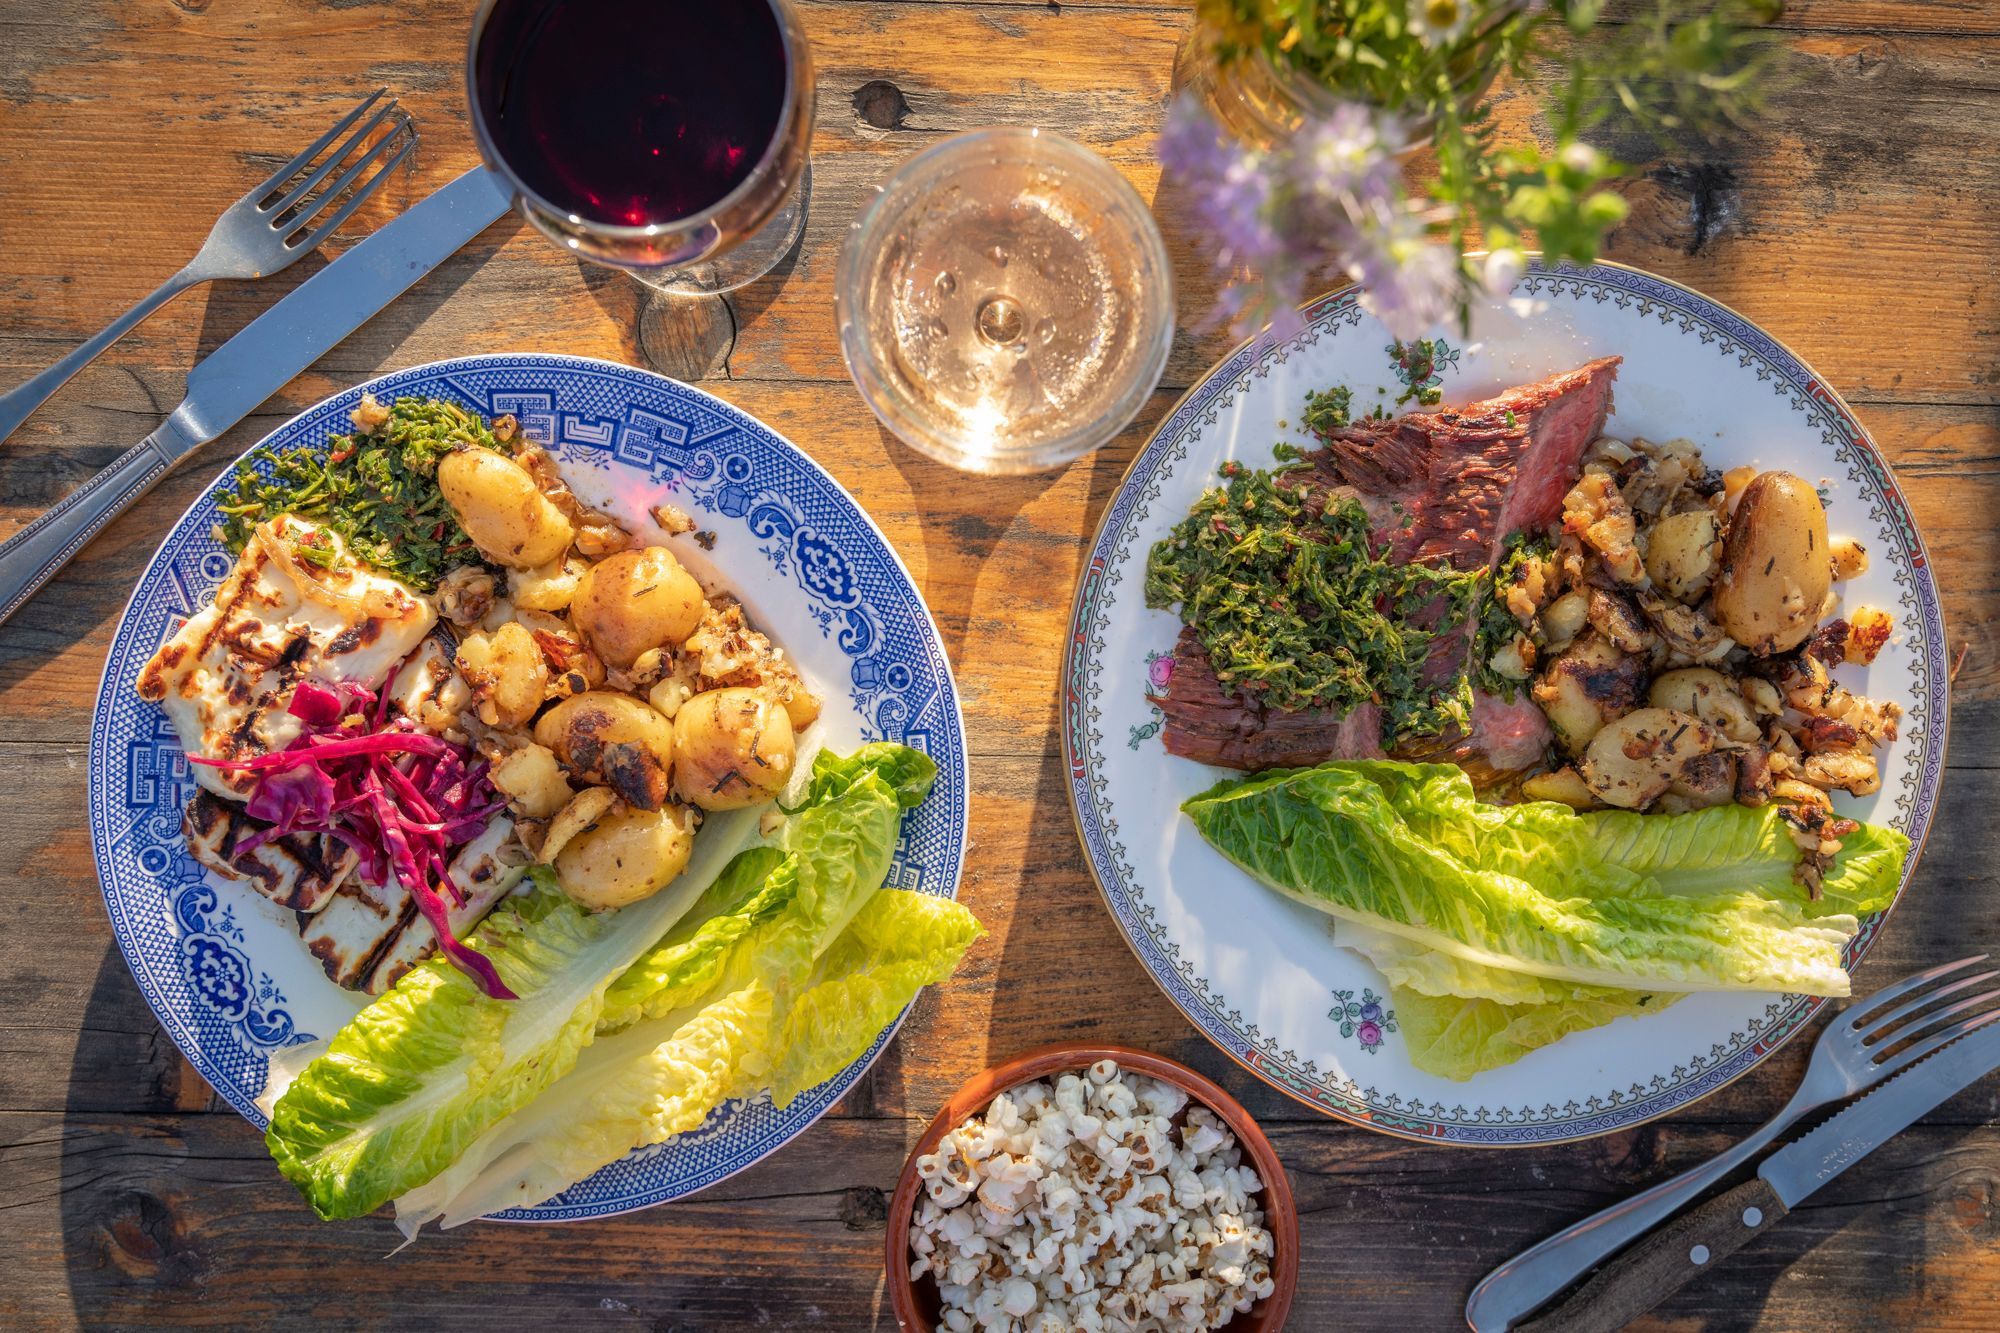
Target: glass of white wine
(1005, 302)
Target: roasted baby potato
(1565, 785)
(1776, 565)
(613, 740)
(634, 601)
(506, 672)
(625, 855)
(1634, 759)
(732, 747)
(1681, 553)
(1710, 696)
(533, 782)
(502, 510)
(1589, 684)
(547, 587)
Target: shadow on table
(688, 338)
(135, 1192)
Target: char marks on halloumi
(300, 870)
(226, 677)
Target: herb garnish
(377, 488)
(1329, 410)
(1309, 612)
(1497, 624)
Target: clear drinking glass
(1005, 303)
(669, 138)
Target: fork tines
(1934, 1010)
(382, 140)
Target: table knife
(1653, 1269)
(239, 375)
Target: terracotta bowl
(916, 1303)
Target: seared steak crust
(1450, 485)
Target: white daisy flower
(1440, 22)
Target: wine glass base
(746, 261)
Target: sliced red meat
(1450, 485)
(1208, 723)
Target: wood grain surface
(1855, 225)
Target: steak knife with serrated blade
(1661, 1264)
(239, 375)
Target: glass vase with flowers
(1294, 118)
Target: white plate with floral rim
(1260, 974)
(223, 968)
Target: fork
(264, 231)
(1853, 1053)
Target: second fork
(1874, 1039)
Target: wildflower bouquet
(1386, 76)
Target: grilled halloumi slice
(225, 679)
(370, 935)
(358, 921)
(300, 871)
(485, 870)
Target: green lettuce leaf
(1410, 849)
(799, 976)
(909, 773)
(418, 1074)
(1456, 1038)
(1735, 849)
(899, 943)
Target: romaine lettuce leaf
(419, 1073)
(1410, 850)
(909, 773)
(793, 985)
(1735, 849)
(1456, 1038)
(1404, 962)
(899, 943)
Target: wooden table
(1856, 226)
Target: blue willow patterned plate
(224, 969)
(1259, 974)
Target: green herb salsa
(1308, 612)
(377, 488)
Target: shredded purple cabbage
(403, 800)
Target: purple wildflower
(1330, 198)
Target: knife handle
(30, 557)
(1665, 1261)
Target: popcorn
(1078, 1204)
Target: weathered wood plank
(1878, 161)
(174, 1222)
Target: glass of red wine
(668, 138)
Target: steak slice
(1467, 478)
(1207, 723)
(1450, 485)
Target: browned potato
(1710, 696)
(625, 855)
(613, 740)
(533, 782)
(502, 510)
(506, 672)
(1633, 760)
(1565, 785)
(1776, 569)
(1589, 684)
(732, 748)
(1681, 551)
(635, 601)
